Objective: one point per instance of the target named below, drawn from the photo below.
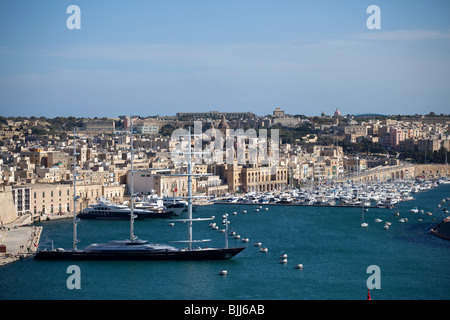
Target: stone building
(58, 198)
(8, 211)
(253, 178)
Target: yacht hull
(195, 254)
(118, 215)
(442, 230)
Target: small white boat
(414, 210)
(378, 220)
(264, 250)
(364, 224)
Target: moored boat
(105, 209)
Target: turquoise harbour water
(334, 250)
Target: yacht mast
(132, 236)
(190, 197)
(189, 172)
(75, 197)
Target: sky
(159, 57)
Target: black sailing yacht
(134, 248)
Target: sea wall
(432, 171)
(7, 209)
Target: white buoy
(257, 244)
(264, 250)
(223, 272)
(298, 266)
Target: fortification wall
(7, 209)
(430, 171)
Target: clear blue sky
(149, 57)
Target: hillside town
(37, 156)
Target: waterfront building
(58, 198)
(159, 182)
(253, 178)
